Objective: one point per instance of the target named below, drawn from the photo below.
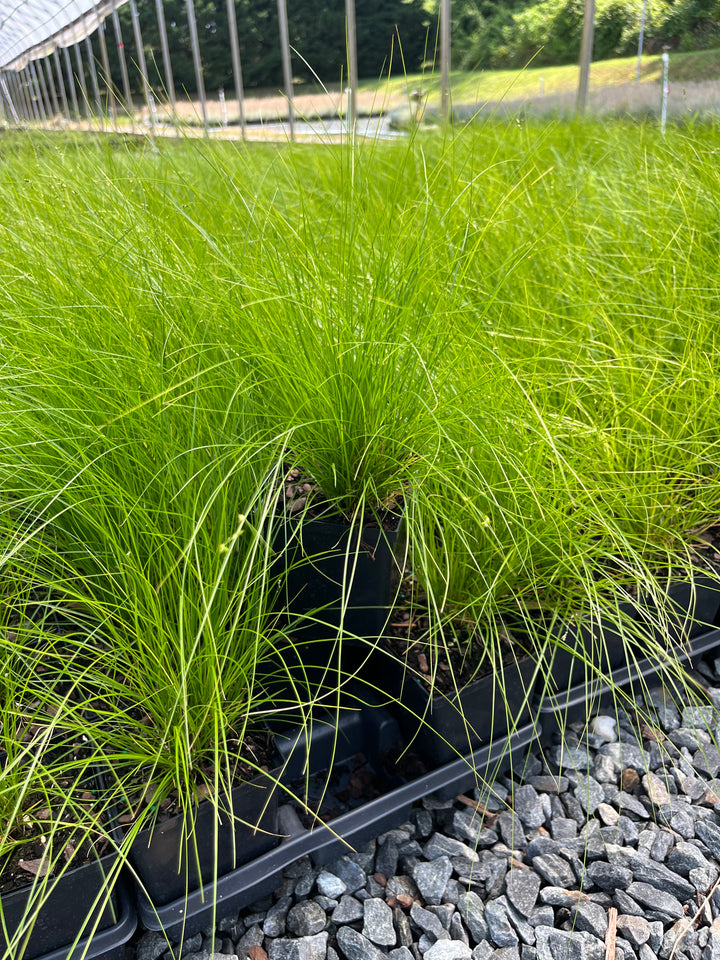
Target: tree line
(402, 35)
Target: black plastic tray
(187, 915)
(553, 713)
(108, 944)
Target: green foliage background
(487, 34)
(398, 36)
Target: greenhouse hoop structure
(68, 62)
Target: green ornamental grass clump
(509, 334)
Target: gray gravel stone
(378, 923)
(630, 806)
(511, 830)
(306, 919)
(548, 784)
(352, 875)
(664, 904)
(402, 886)
(151, 945)
(431, 878)
(568, 945)
(402, 927)
(589, 793)
(542, 916)
(712, 949)
(562, 828)
(444, 913)
(679, 819)
(658, 875)
(625, 755)
(554, 869)
(306, 948)
(681, 930)
(709, 833)
(400, 953)
(609, 876)
(506, 953)
(441, 846)
(251, 938)
(522, 887)
(347, 910)
(560, 897)
(699, 718)
(354, 946)
(501, 930)
(528, 806)
(702, 878)
(483, 951)
(428, 922)
(591, 918)
(386, 860)
(472, 911)
(448, 950)
(626, 904)
(274, 924)
(636, 930)
(329, 885)
(457, 929)
(467, 825)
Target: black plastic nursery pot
(598, 646)
(185, 852)
(443, 726)
(72, 906)
(596, 694)
(692, 608)
(339, 575)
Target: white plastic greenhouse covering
(31, 29)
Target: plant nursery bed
(359, 749)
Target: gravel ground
(607, 847)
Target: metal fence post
(287, 69)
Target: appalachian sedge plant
(455, 322)
(54, 816)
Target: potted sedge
(153, 524)
(173, 693)
(58, 866)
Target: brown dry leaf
(257, 953)
(405, 900)
(69, 852)
(423, 663)
(38, 868)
